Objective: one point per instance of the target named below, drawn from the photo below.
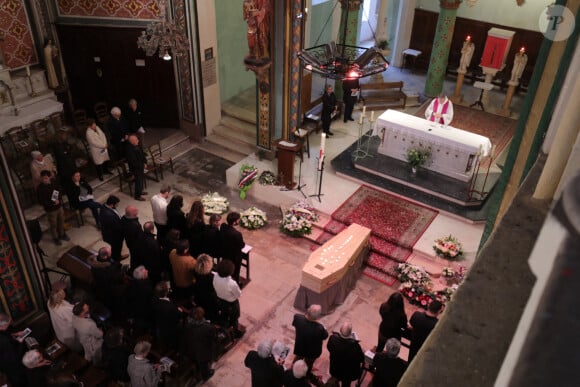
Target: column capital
(353, 5)
(450, 4)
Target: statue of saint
(466, 55)
(520, 61)
(50, 56)
(257, 17)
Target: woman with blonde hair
(204, 291)
(60, 311)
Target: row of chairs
(40, 134)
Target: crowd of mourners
(179, 291)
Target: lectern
(286, 153)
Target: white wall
(503, 12)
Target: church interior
(232, 97)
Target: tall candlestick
(27, 71)
(360, 120)
(372, 115)
(364, 110)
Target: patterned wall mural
(124, 9)
(15, 37)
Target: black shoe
(144, 193)
(57, 242)
(351, 119)
(329, 134)
(141, 199)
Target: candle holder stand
(362, 149)
(319, 173)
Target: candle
(361, 119)
(322, 142)
(372, 116)
(364, 110)
(27, 71)
(468, 38)
(523, 49)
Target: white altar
(454, 152)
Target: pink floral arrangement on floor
(448, 247)
(416, 286)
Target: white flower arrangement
(297, 220)
(214, 203)
(253, 218)
(448, 247)
(413, 275)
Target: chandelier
(163, 36)
(340, 61)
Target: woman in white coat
(98, 145)
(61, 314)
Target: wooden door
(101, 65)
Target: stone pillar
(441, 47)
(348, 19)
(382, 20)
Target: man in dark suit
(389, 368)
(133, 233)
(198, 341)
(138, 297)
(108, 276)
(166, 315)
(422, 324)
(346, 355)
(137, 162)
(328, 108)
(111, 227)
(149, 252)
(350, 93)
(135, 117)
(118, 129)
(232, 243)
(266, 371)
(309, 337)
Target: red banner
(494, 52)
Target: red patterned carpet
(500, 130)
(396, 224)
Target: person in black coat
(389, 368)
(11, 353)
(198, 341)
(422, 323)
(232, 243)
(309, 336)
(135, 117)
(116, 354)
(195, 228)
(350, 93)
(112, 227)
(137, 162)
(80, 196)
(296, 376)
(203, 290)
(211, 241)
(393, 319)
(328, 108)
(175, 215)
(133, 233)
(64, 157)
(266, 371)
(118, 129)
(148, 252)
(166, 315)
(138, 298)
(108, 278)
(346, 355)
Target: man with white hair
(118, 130)
(266, 371)
(296, 377)
(389, 368)
(41, 163)
(346, 355)
(10, 353)
(309, 337)
(37, 367)
(141, 371)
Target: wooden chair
(102, 113)
(124, 177)
(158, 159)
(42, 133)
(80, 122)
(22, 141)
(24, 185)
(152, 170)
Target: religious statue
(520, 61)
(256, 13)
(50, 56)
(466, 55)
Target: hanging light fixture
(340, 61)
(163, 36)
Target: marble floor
(277, 260)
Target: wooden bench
(314, 115)
(383, 95)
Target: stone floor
(277, 260)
